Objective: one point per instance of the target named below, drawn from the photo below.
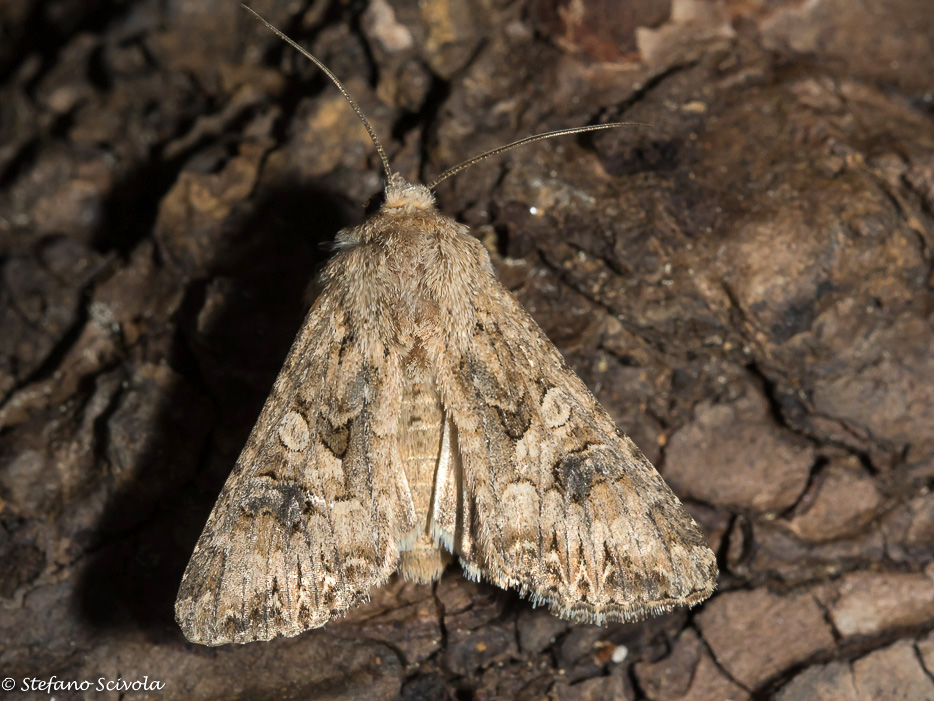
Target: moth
(421, 415)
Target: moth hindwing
(422, 414)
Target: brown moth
(422, 413)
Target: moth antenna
(340, 86)
(527, 140)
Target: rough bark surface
(746, 284)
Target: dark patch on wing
(516, 419)
(510, 401)
(575, 473)
(335, 438)
(283, 500)
(348, 343)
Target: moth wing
(556, 501)
(307, 522)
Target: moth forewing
(421, 413)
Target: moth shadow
(230, 336)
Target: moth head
(403, 197)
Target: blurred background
(746, 284)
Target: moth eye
(375, 203)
